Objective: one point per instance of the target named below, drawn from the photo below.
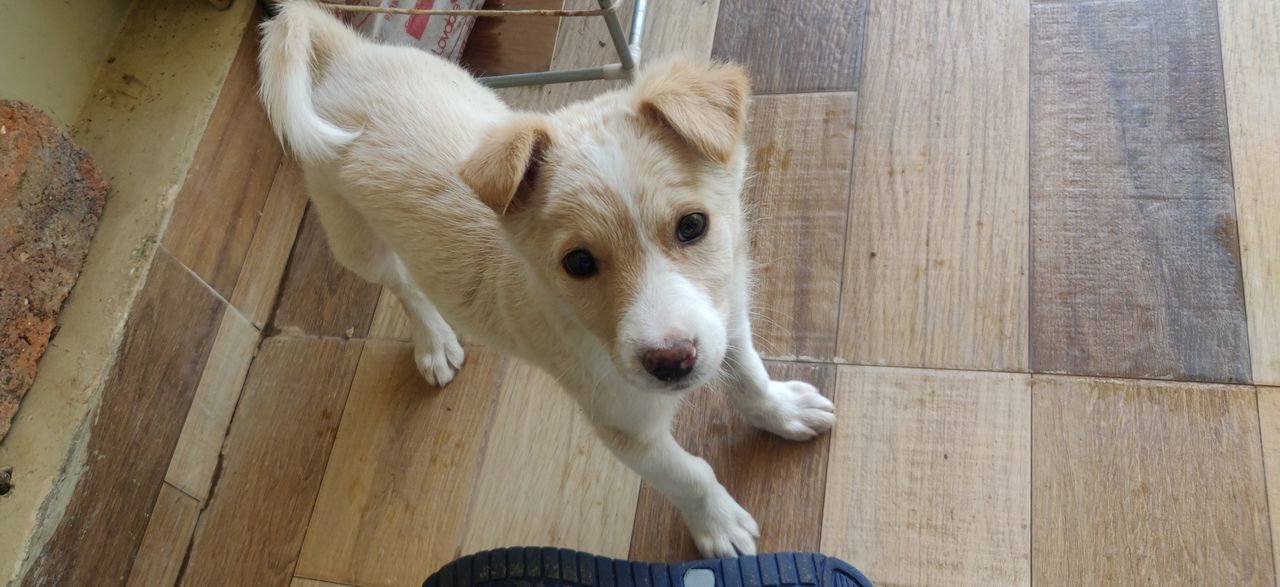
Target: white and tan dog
(604, 242)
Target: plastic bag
(444, 35)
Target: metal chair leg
(628, 49)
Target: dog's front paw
(724, 529)
(441, 362)
(795, 411)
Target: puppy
(604, 242)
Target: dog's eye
(580, 263)
(691, 227)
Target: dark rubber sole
(552, 566)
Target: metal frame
(628, 49)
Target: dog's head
(628, 208)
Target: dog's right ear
(506, 162)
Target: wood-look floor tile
(319, 296)
(391, 509)
(504, 45)
(259, 282)
(800, 148)
(936, 264)
(142, 407)
(780, 482)
(301, 582)
(546, 479)
(164, 545)
(1136, 261)
(1141, 482)
(929, 481)
(680, 29)
(389, 320)
(217, 211)
(813, 46)
(1250, 52)
(196, 455)
(275, 454)
(1269, 419)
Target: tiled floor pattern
(1028, 248)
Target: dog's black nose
(671, 363)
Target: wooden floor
(1030, 249)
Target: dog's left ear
(705, 104)
(506, 162)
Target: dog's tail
(300, 37)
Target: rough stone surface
(51, 197)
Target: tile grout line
(859, 104)
(863, 22)
(297, 576)
(151, 517)
(258, 230)
(826, 462)
(838, 362)
(832, 449)
(182, 491)
(231, 307)
(1027, 350)
(1235, 205)
(217, 467)
(1030, 258)
(1266, 482)
(268, 322)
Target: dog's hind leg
(357, 247)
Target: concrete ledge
(149, 107)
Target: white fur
(286, 86)
(381, 132)
(670, 307)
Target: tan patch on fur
(596, 220)
(617, 184)
(507, 158)
(706, 105)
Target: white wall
(51, 49)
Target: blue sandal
(558, 567)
